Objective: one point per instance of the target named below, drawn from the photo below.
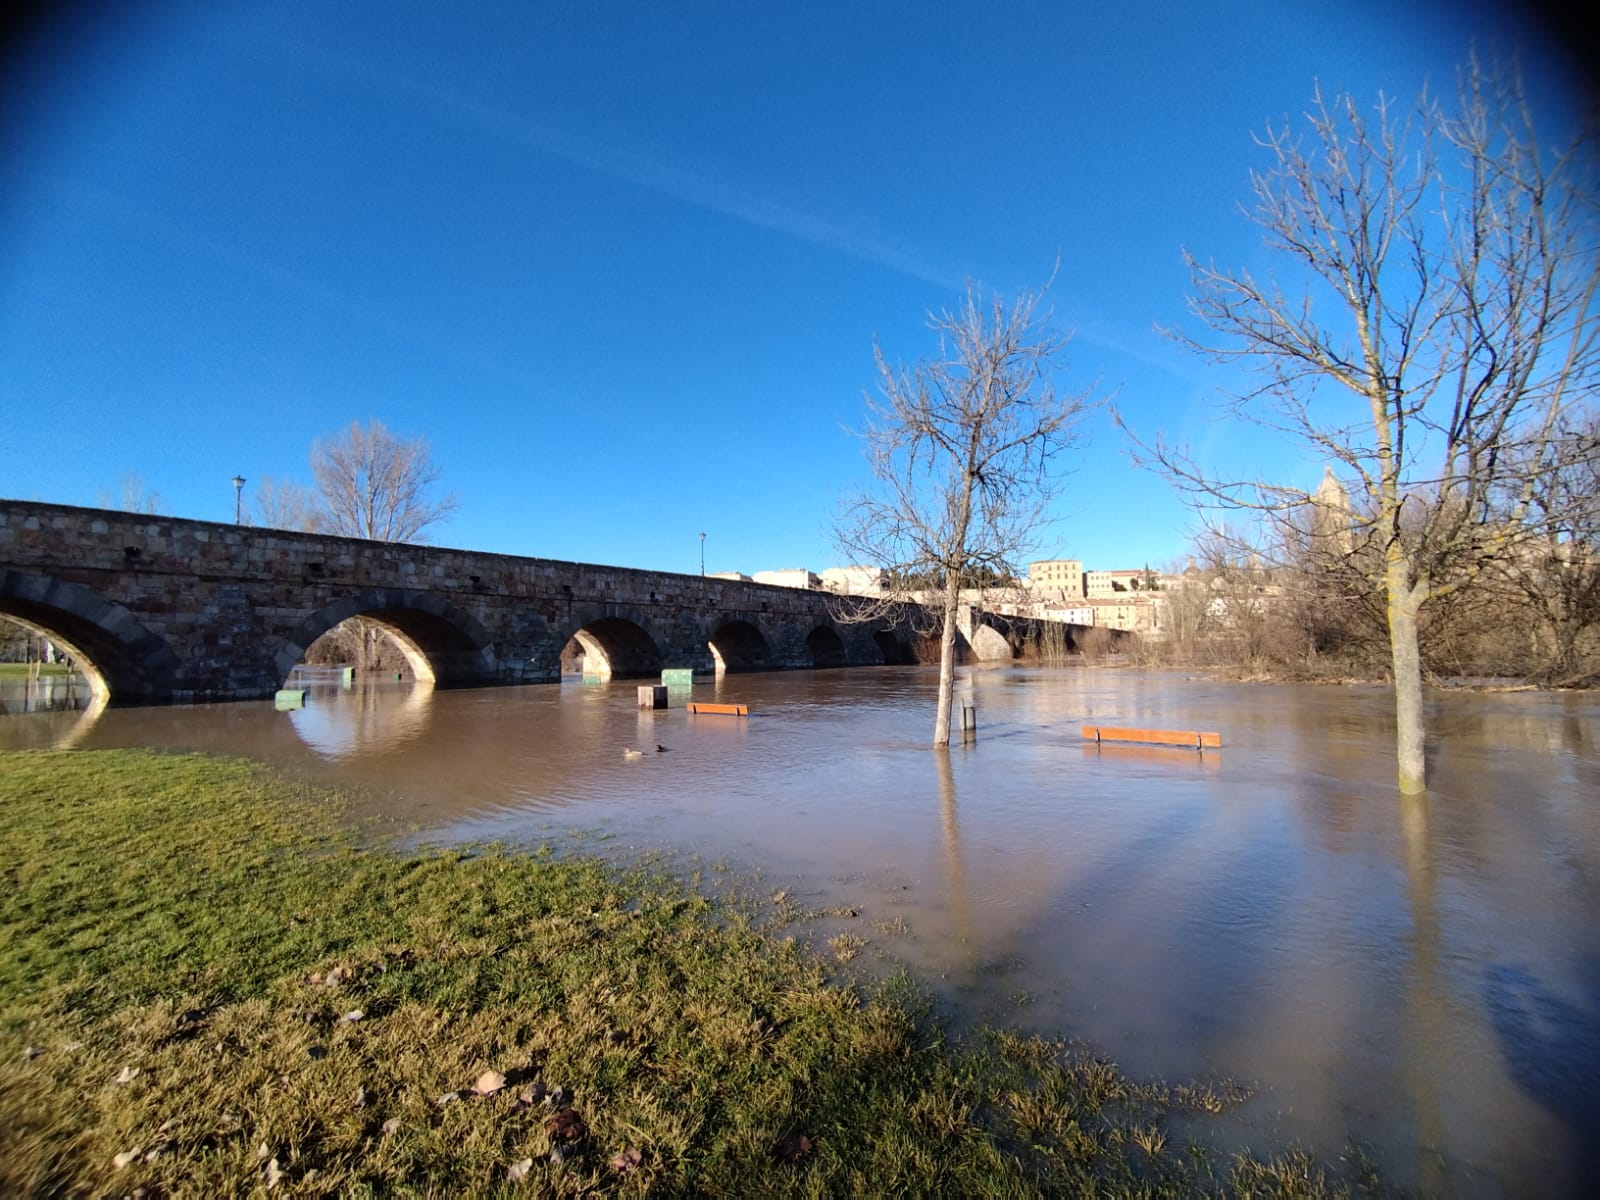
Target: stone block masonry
(167, 610)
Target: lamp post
(702, 554)
(238, 499)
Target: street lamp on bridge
(702, 554)
(238, 499)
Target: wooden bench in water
(725, 710)
(1161, 737)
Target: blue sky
(622, 265)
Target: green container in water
(678, 677)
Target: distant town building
(855, 581)
(1141, 614)
(1105, 584)
(737, 576)
(1080, 613)
(791, 577)
(1063, 573)
(1057, 589)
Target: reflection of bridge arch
(441, 643)
(739, 646)
(125, 663)
(826, 647)
(614, 647)
(74, 735)
(363, 722)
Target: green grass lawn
(10, 670)
(207, 987)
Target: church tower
(1332, 519)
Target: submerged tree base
(209, 988)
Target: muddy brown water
(1421, 975)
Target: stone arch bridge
(161, 610)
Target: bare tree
(1188, 622)
(1557, 574)
(16, 641)
(1442, 323)
(962, 450)
(132, 496)
(370, 484)
(284, 504)
(1239, 591)
(373, 485)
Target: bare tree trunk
(1564, 659)
(369, 644)
(947, 659)
(1407, 665)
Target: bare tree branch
(132, 496)
(1442, 325)
(372, 485)
(283, 504)
(963, 453)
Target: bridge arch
(124, 661)
(989, 644)
(738, 645)
(614, 646)
(441, 643)
(892, 648)
(826, 647)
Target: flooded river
(1422, 976)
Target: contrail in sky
(638, 169)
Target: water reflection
(1169, 758)
(79, 728)
(1550, 1045)
(1426, 1010)
(45, 693)
(52, 726)
(339, 722)
(955, 877)
(1421, 975)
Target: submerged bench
(1161, 737)
(724, 710)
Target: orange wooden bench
(725, 710)
(1162, 737)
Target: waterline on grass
(1268, 912)
(208, 987)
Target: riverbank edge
(1241, 674)
(210, 986)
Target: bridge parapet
(169, 609)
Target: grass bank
(22, 670)
(208, 988)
